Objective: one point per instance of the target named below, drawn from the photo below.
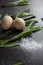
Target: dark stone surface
(9, 56)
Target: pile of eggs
(8, 22)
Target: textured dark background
(9, 56)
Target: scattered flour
(29, 43)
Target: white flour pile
(30, 44)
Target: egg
(7, 22)
(19, 23)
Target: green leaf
(18, 64)
(27, 14)
(21, 13)
(19, 3)
(13, 44)
(5, 34)
(22, 34)
(29, 17)
(31, 25)
(29, 21)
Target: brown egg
(7, 22)
(19, 23)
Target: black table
(32, 55)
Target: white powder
(30, 44)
